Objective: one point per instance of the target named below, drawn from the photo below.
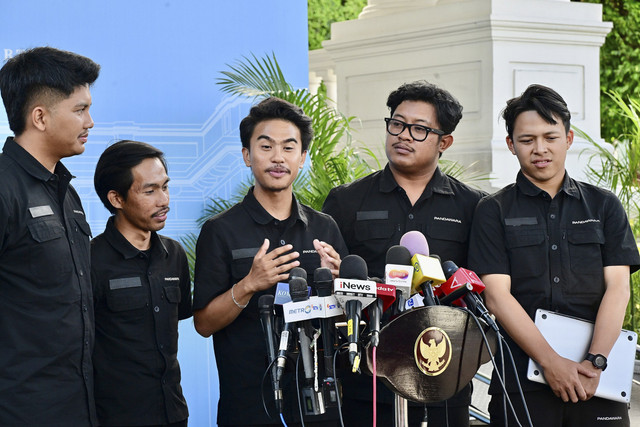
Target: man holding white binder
(550, 242)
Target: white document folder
(570, 337)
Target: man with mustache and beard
(141, 289)
(410, 193)
(245, 251)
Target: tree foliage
(619, 61)
(323, 13)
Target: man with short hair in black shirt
(243, 252)
(141, 290)
(410, 193)
(553, 243)
(46, 310)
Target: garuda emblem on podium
(432, 351)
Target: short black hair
(541, 99)
(276, 108)
(448, 109)
(113, 171)
(41, 72)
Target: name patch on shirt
(172, 279)
(244, 253)
(368, 215)
(126, 282)
(38, 211)
(442, 218)
(585, 221)
(525, 220)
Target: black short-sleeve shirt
(139, 298)
(226, 247)
(46, 309)
(553, 249)
(374, 212)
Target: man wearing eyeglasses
(410, 193)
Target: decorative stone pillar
(484, 52)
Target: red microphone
(457, 278)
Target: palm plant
(616, 166)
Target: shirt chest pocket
(172, 294)
(371, 225)
(447, 240)
(242, 260)
(126, 294)
(585, 253)
(527, 252)
(50, 249)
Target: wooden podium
(428, 354)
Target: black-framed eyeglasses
(418, 132)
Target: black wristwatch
(598, 360)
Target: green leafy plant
(616, 165)
(323, 13)
(619, 61)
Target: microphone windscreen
(353, 267)
(265, 302)
(323, 281)
(399, 255)
(298, 289)
(449, 267)
(298, 272)
(322, 274)
(415, 242)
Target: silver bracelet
(240, 306)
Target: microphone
(282, 295)
(313, 400)
(285, 292)
(454, 296)
(459, 276)
(265, 304)
(323, 282)
(354, 292)
(415, 242)
(398, 271)
(427, 270)
(386, 295)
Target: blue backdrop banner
(160, 61)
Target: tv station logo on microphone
(307, 309)
(398, 274)
(432, 351)
(355, 287)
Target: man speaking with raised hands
(245, 251)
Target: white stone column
(484, 52)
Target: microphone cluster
(413, 278)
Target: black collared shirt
(374, 212)
(46, 309)
(226, 247)
(139, 298)
(553, 249)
